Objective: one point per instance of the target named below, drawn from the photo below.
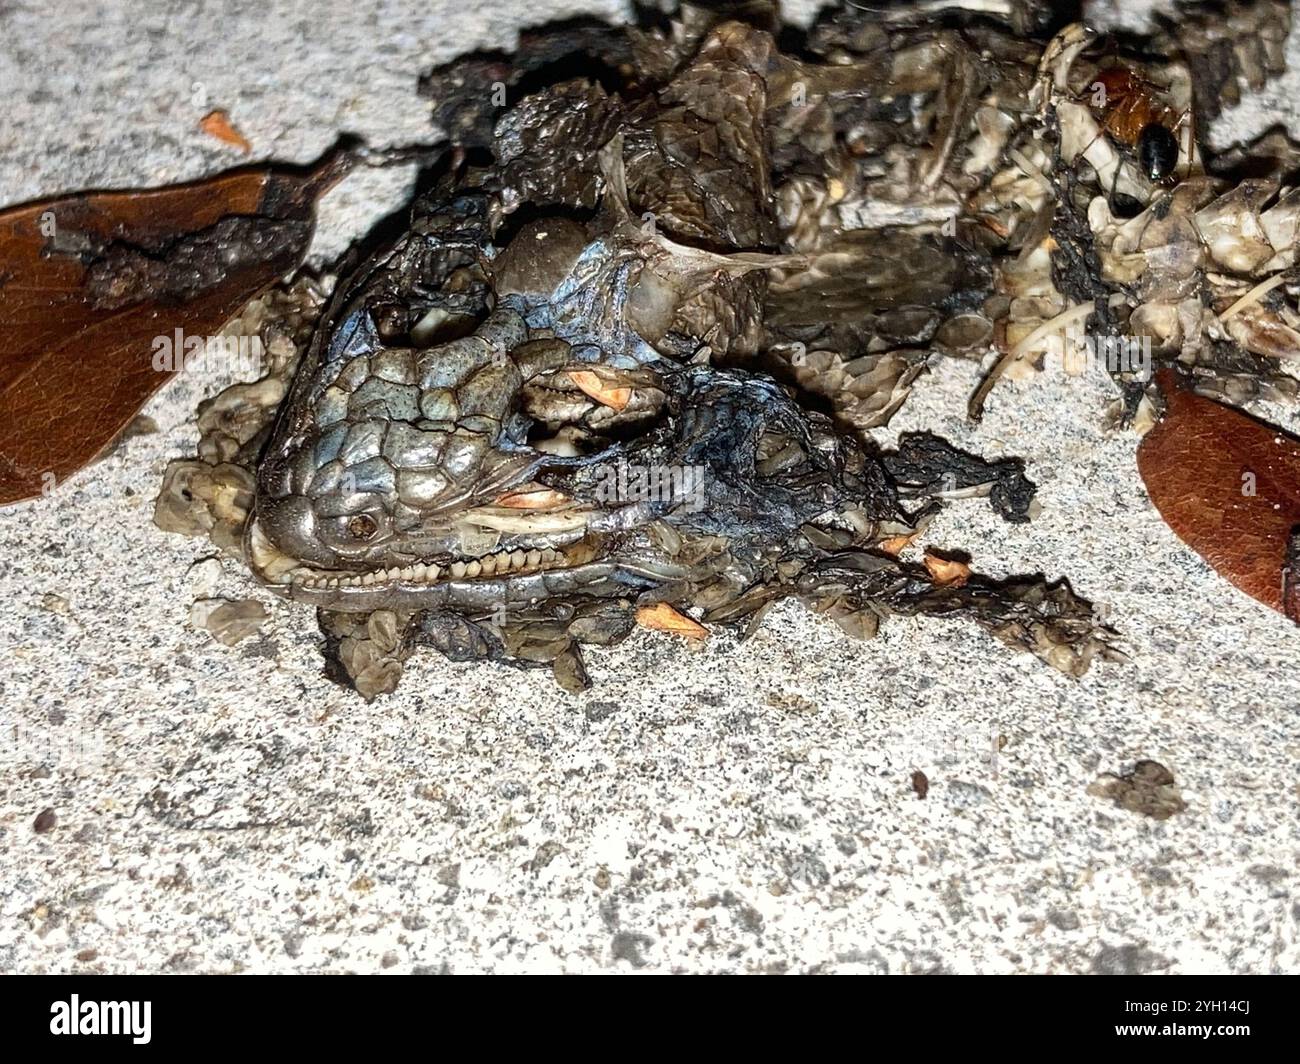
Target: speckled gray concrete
(736, 808)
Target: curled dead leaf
(97, 286)
(614, 396)
(662, 617)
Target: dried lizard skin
(625, 353)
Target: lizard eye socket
(362, 526)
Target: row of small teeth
(489, 565)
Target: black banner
(913, 1015)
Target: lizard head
(411, 479)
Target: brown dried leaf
(661, 617)
(217, 124)
(614, 396)
(1229, 486)
(90, 281)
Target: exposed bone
(1253, 296)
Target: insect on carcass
(1134, 113)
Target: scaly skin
(611, 292)
(405, 478)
